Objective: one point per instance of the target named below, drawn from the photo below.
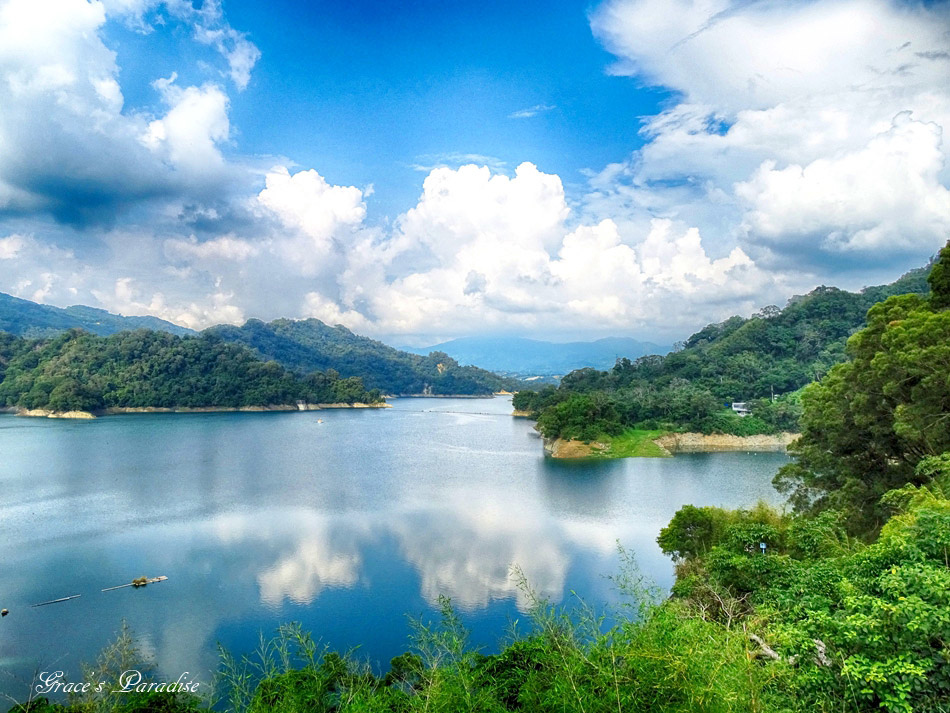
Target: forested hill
(302, 346)
(774, 351)
(309, 345)
(78, 371)
(29, 319)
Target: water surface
(346, 525)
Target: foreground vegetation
(78, 371)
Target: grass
(632, 443)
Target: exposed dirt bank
(715, 442)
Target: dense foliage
(845, 626)
(29, 319)
(775, 352)
(81, 371)
(871, 420)
(310, 345)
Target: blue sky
(423, 170)
(371, 91)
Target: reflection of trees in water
(587, 489)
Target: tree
(872, 420)
(939, 280)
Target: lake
(349, 526)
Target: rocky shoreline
(439, 396)
(721, 442)
(47, 413)
(569, 448)
(672, 443)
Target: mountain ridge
(311, 345)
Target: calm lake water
(348, 526)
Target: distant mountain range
(29, 319)
(529, 357)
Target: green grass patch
(632, 443)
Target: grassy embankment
(632, 443)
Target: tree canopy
(309, 345)
(81, 371)
(872, 419)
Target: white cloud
(771, 91)
(482, 251)
(189, 133)
(881, 197)
(227, 247)
(531, 111)
(209, 25)
(241, 54)
(130, 298)
(329, 312)
(70, 144)
(11, 246)
(305, 201)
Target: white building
(741, 408)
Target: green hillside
(78, 371)
(310, 345)
(776, 351)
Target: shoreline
(440, 396)
(669, 444)
(724, 442)
(121, 410)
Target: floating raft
(139, 582)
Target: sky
(425, 170)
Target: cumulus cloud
(802, 139)
(227, 247)
(483, 251)
(71, 146)
(306, 201)
(802, 130)
(10, 246)
(844, 203)
(188, 135)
